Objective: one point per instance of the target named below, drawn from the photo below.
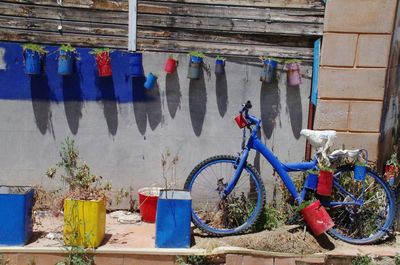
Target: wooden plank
(231, 25)
(224, 37)
(116, 5)
(68, 26)
(57, 12)
(306, 4)
(265, 14)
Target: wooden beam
(120, 5)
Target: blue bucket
(32, 62)
(311, 181)
(173, 219)
(196, 59)
(360, 172)
(136, 64)
(65, 63)
(150, 81)
(268, 72)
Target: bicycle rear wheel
(370, 219)
(234, 214)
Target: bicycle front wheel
(363, 211)
(237, 212)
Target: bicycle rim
(365, 223)
(224, 216)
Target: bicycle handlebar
(246, 107)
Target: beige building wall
(354, 60)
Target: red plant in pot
(170, 65)
(103, 61)
(392, 170)
(325, 181)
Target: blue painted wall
(83, 85)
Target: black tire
(199, 201)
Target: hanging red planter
(103, 61)
(170, 65)
(325, 183)
(293, 74)
(317, 218)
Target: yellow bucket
(84, 222)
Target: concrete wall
(354, 62)
(123, 140)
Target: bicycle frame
(282, 169)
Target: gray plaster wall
(124, 142)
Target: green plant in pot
(33, 57)
(325, 178)
(103, 60)
(196, 62)
(66, 58)
(219, 65)
(85, 201)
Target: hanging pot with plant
(219, 65)
(170, 65)
(293, 73)
(151, 80)
(195, 64)
(33, 57)
(325, 181)
(268, 72)
(392, 171)
(135, 67)
(103, 61)
(360, 167)
(316, 217)
(66, 58)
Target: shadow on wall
(41, 94)
(293, 103)
(173, 93)
(146, 106)
(270, 107)
(73, 100)
(221, 89)
(109, 101)
(197, 103)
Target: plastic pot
(293, 74)
(170, 65)
(317, 218)
(311, 181)
(360, 172)
(268, 72)
(219, 67)
(194, 70)
(150, 81)
(103, 61)
(65, 62)
(136, 64)
(325, 183)
(33, 62)
(148, 198)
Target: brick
(331, 114)
(365, 116)
(257, 260)
(285, 261)
(339, 49)
(233, 259)
(108, 259)
(42, 258)
(368, 141)
(310, 261)
(373, 50)
(352, 83)
(363, 16)
(148, 260)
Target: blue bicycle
(228, 194)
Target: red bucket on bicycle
(325, 183)
(317, 218)
(148, 198)
(240, 121)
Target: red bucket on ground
(317, 218)
(148, 198)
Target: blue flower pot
(360, 172)
(33, 62)
(196, 59)
(65, 63)
(150, 81)
(268, 72)
(311, 181)
(219, 67)
(135, 68)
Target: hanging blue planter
(311, 181)
(268, 72)
(196, 59)
(65, 62)
(136, 65)
(360, 171)
(219, 67)
(150, 81)
(173, 219)
(33, 62)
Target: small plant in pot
(85, 201)
(293, 72)
(268, 72)
(219, 65)
(196, 62)
(316, 216)
(66, 58)
(170, 64)
(103, 61)
(325, 179)
(33, 57)
(360, 166)
(392, 170)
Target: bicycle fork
(240, 164)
